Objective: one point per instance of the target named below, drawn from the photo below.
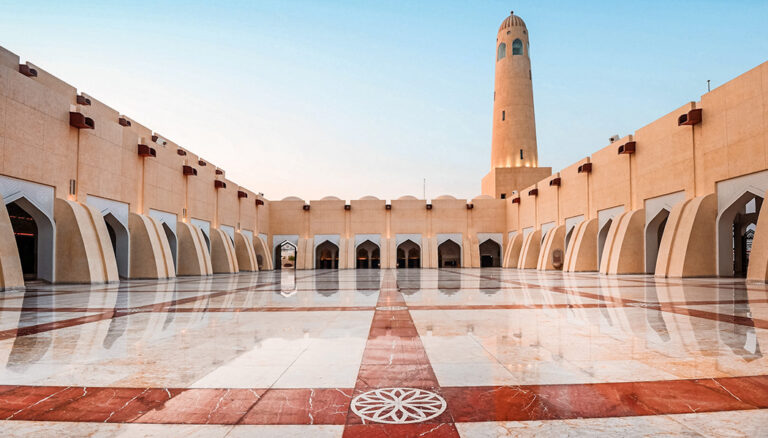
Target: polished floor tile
(420, 352)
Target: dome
(331, 198)
(292, 198)
(445, 197)
(512, 21)
(370, 198)
(407, 198)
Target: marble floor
(433, 353)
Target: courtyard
(369, 352)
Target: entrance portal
(34, 235)
(285, 256)
(490, 254)
(368, 255)
(408, 255)
(735, 230)
(327, 256)
(449, 255)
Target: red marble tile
(409, 375)
(16, 398)
(752, 390)
(205, 406)
(118, 405)
(432, 430)
(495, 403)
(300, 406)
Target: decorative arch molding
(168, 225)
(115, 214)
(38, 201)
(319, 239)
(205, 228)
(415, 238)
(730, 194)
(374, 238)
(657, 212)
(279, 239)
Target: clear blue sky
(355, 98)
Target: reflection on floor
(450, 352)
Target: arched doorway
(260, 261)
(118, 235)
(735, 230)
(327, 255)
(601, 237)
(449, 255)
(368, 255)
(34, 233)
(285, 256)
(568, 236)
(653, 233)
(408, 255)
(490, 254)
(171, 242)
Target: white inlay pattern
(398, 405)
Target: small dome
(512, 21)
(331, 198)
(370, 198)
(445, 197)
(292, 198)
(407, 198)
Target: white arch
(724, 233)
(46, 235)
(115, 214)
(651, 239)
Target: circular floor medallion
(398, 405)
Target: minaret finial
(511, 12)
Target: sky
(356, 98)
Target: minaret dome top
(511, 21)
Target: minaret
(514, 126)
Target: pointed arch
(368, 255)
(490, 254)
(653, 234)
(409, 254)
(449, 254)
(327, 255)
(35, 237)
(733, 243)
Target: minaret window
(502, 51)
(517, 47)
(521, 154)
(503, 115)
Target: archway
(368, 255)
(490, 254)
(408, 255)
(285, 256)
(34, 233)
(568, 236)
(207, 240)
(601, 237)
(327, 255)
(260, 261)
(653, 233)
(118, 235)
(449, 255)
(735, 230)
(171, 242)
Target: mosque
(93, 196)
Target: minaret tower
(514, 155)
